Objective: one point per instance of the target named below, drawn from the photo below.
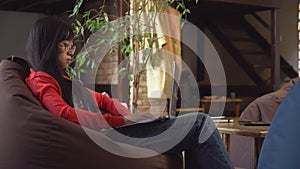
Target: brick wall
(106, 71)
(106, 76)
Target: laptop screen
(174, 90)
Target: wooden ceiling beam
(36, 3)
(258, 3)
(6, 2)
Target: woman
(50, 48)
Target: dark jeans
(200, 141)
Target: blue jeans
(202, 143)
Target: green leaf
(88, 63)
(179, 5)
(180, 16)
(83, 71)
(188, 11)
(76, 30)
(128, 50)
(105, 17)
(165, 5)
(82, 61)
(146, 52)
(122, 72)
(71, 73)
(77, 7)
(177, 51)
(96, 50)
(101, 41)
(85, 15)
(181, 24)
(110, 53)
(130, 78)
(78, 22)
(93, 65)
(174, 43)
(140, 38)
(81, 31)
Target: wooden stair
(248, 48)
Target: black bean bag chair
(32, 137)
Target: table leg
(203, 107)
(226, 140)
(237, 109)
(257, 148)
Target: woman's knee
(208, 128)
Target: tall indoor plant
(121, 34)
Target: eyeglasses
(68, 48)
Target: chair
(263, 109)
(32, 137)
(281, 145)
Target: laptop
(174, 91)
(172, 102)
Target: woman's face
(65, 53)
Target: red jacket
(48, 91)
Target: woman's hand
(138, 117)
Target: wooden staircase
(248, 48)
(226, 21)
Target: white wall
(14, 30)
(288, 14)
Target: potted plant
(120, 35)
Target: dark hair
(42, 49)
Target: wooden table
(257, 132)
(236, 101)
(188, 110)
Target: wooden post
(275, 76)
(123, 84)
